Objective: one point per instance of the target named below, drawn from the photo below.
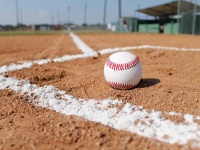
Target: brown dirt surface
(103, 41)
(24, 126)
(170, 83)
(15, 49)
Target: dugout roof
(168, 9)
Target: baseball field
(53, 94)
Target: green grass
(51, 32)
(7, 33)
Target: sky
(63, 11)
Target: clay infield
(53, 94)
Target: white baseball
(123, 70)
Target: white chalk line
(80, 44)
(87, 53)
(149, 124)
(99, 111)
(111, 50)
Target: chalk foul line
(28, 64)
(80, 44)
(130, 118)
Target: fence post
(194, 18)
(179, 16)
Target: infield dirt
(170, 83)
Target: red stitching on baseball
(122, 66)
(120, 85)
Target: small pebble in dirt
(168, 91)
(100, 134)
(5, 75)
(10, 120)
(170, 73)
(128, 139)
(96, 55)
(59, 125)
(98, 144)
(36, 78)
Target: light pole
(179, 16)
(119, 9)
(21, 19)
(68, 15)
(85, 13)
(17, 12)
(104, 17)
(194, 18)
(58, 17)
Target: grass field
(53, 32)
(4, 33)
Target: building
(173, 18)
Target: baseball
(123, 70)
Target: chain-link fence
(189, 21)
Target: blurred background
(153, 16)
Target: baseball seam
(120, 85)
(122, 66)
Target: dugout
(158, 26)
(173, 17)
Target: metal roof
(168, 9)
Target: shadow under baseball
(147, 82)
